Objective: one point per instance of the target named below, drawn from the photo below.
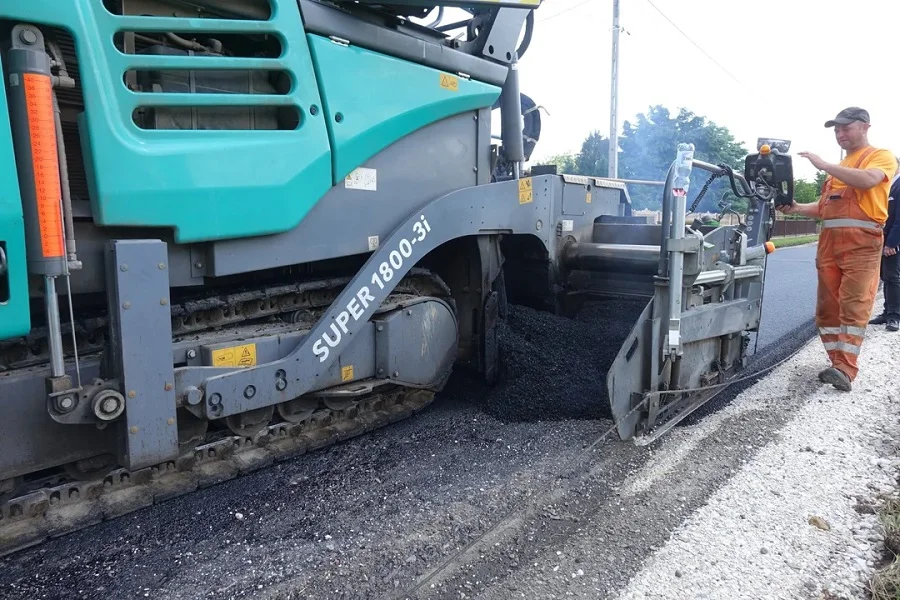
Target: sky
(767, 68)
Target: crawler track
(195, 314)
(56, 511)
(51, 504)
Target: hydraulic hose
(529, 30)
(531, 123)
(64, 188)
(437, 19)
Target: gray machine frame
(717, 304)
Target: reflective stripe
(832, 223)
(857, 331)
(842, 347)
(847, 329)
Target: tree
(649, 145)
(565, 163)
(806, 191)
(593, 159)
(821, 176)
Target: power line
(696, 45)
(666, 17)
(564, 11)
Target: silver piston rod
(54, 329)
(619, 258)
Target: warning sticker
(587, 198)
(42, 130)
(362, 179)
(235, 356)
(449, 82)
(347, 373)
(526, 191)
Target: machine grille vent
(223, 73)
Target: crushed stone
(799, 505)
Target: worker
(890, 262)
(853, 209)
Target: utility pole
(614, 98)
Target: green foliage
(809, 191)
(648, 147)
(805, 192)
(820, 182)
(592, 160)
(565, 163)
(797, 240)
(594, 156)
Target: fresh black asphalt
(374, 516)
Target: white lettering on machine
(384, 274)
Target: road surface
(476, 497)
(790, 294)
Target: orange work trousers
(848, 261)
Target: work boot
(893, 324)
(837, 378)
(879, 320)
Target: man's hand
(863, 179)
(890, 251)
(815, 159)
(806, 210)
(788, 209)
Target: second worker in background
(890, 262)
(853, 208)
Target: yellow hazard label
(235, 356)
(347, 373)
(526, 191)
(449, 82)
(587, 198)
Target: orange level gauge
(44, 158)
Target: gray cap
(848, 115)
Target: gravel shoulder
(796, 520)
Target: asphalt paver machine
(232, 230)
